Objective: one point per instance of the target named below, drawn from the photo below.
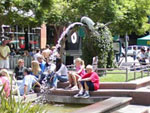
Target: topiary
(99, 45)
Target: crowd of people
(43, 71)
(141, 55)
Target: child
(5, 81)
(74, 76)
(88, 82)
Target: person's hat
(89, 67)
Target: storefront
(25, 38)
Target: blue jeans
(89, 84)
(134, 57)
(56, 78)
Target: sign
(74, 37)
(148, 42)
(116, 47)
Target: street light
(126, 46)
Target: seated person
(18, 72)
(61, 73)
(41, 63)
(27, 83)
(74, 76)
(5, 81)
(88, 82)
(42, 66)
(141, 57)
(35, 69)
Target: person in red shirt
(88, 82)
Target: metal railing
(134, 69)
(142, 69)
(14, 59)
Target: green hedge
(101, 46)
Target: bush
(10, 105)
(101, 46)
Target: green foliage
(10, 105)
(24, 12)
(100, 46)
(127, 16)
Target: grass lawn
(120, 77)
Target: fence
(134, 69)
(142, 69)
(14, 59)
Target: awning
(145, 41)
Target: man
(46, 52)
(4, 54)
(38, 53)
(88, 82)
(27, 83)
(141, 57)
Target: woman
(74, 76)
(19, 70)
(5, 81)
(36, 70)
(61, 73)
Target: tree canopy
(24, 12)
(127, 16)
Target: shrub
(10, 105)
(101, 46)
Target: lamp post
(126, 46)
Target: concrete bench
(117, 85)
(133, 109)
(106, 106)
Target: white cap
(89, 67)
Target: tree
(24, 13)
(127, 16)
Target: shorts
(89, 84)
(4, 64)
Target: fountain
(97, 30)
(85, 22)
(62, 36)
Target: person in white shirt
(141, 57)
(61, 73)
(27, 83)
(37, 54)
(148, 54)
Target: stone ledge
(139, 96)
(72, 100)
(133, 109)
(106, 106)
(118, 85)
